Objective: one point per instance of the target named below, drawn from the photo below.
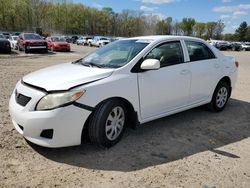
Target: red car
(31, 42)
(57, 43)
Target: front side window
(168, 53)
(198, 51)
(114, 55)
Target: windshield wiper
(93, 65)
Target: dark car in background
(74, 38)
(6, 35)
(4, 45)
(222, 45)
(236, 46)
(31, 42)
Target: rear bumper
(66, 122)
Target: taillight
(237, 64)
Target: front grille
(21, 99)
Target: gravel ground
(196, 148)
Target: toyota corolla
(126, 83)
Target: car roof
(164, 37)
(56, 36)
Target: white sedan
(126, 83)
(13, 42)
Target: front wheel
(26, 49)
(220, 97)
(107, 123)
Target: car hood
(60, 43)
(65, 76)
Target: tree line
(66, 17)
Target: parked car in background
(126, 83)
(99, 41)
(6, 35)
(74, 38)
(58, 43)
(235, 46)
(16, 33)
(246, 46)
(13, 42)
(67, 38)
(88, 38)
(4, 45)
(89, 41)
(84, 40)
(222, 45)
(80, 41)
(31, 42)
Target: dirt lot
(195, 148)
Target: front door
(167, 88)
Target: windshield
(14, 38)
(1, 37)
(114, 55)
(58, 39)
(104, 39)
(31, 36)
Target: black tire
(19, 48)
(213, 105)
(99, 119)
(25, 49)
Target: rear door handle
(216, 65)
(185, 72)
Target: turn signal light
(237, 64)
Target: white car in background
(128, 82)
(99, 41)
(245, 46)
(81, 41)
(13, 42)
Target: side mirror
(150, 64)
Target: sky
(231, 12)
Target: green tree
(200, 29)
(219, 29)
(241, 32)
(211, 26)
(187, 25)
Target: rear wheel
(220, 97)
(107, 124)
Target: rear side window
(198, 51)
(168, 53)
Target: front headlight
(56, 100)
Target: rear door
(205, 69)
